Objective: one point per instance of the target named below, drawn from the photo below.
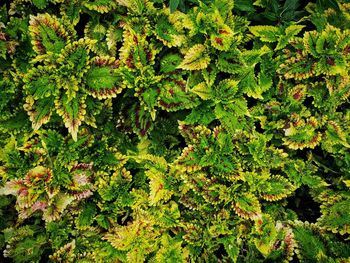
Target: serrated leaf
(39, 111)
(290, 32)
(102, 78)
(47, 33)
(196, 58)
(276, 188)
(247, 206)
(226, 90)
(170, 62)
(87, 215)
(173, 96)
(41, 4)
(265, 33)
(336, 217)
(157, 185)
(41, 87)
(72, 111)
(203, 91)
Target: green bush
(175, 131)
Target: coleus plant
(174, 131)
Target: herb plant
(174, 131)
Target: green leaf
(39, 111)
(336, 217)
(102, 221)
(103, 79)
(41, 4)
(170, 62)
(173, 4)
(42, 87)
(276, 188)
(325, 4)
(265, 33)
(247, 206)
(47, 33)
(231, 247)
(311, 248)
(196, 58)
(72, 111)
(87, 215)
(244, 5)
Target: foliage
(174, 131)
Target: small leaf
(39, 111)
(276, 188)
(203, 91)
(72, 111)
(247, 206)
(265, 33)
(196, 58)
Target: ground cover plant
(174, 131)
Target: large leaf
(102, 79)
(48, 35)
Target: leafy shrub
(176, 131)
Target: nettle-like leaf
(231, 116)
(247, 206)
(102, 79)
(171, 250)
(41, 87)
(336, 134)
(276, 188)
(48, 34)
(39, 111)
(141, 120)
(41, 83)
(72, 10)
(137, 52)
(101, 6)
(290, 32)
(32, 197)
(137, 239)
(223, 38)
(25, 243)
(265, 33)
(167, 33)
(97, 31)
(230, 62)
(226, 90)
(274, 240)
(173, 96)
(170, 62)
(310, 245)
(74, 58)
(158, 187)
(72, 112)
(210, 131)
(196, 58)
(335, 216)
(301, 133)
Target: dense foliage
(175, 131)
